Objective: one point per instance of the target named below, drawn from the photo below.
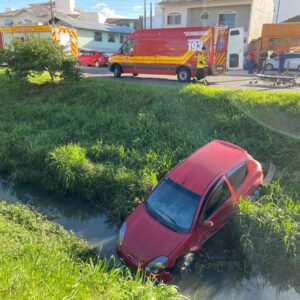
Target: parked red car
(189, 205)
(93, 58)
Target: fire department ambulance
(174, 51)
(63, 36)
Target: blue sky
(109, 8)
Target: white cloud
(137, 8)
(105, 12)
(99, 5)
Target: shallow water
(95, 229)
(82, 220)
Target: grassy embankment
(40, 260)
(102, 142)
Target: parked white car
(292, 62)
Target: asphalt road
(231, 80)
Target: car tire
(184, 264)
(97, 64)
(269, 67)
(184, 74)
(117, 71)
(135, 74)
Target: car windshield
(173, 206)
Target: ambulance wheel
(135, 74)
(97, 64)
(184, 74)
(117, 71)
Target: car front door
(217, 210)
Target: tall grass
(39, 260)
(270, 237)
(104, 142)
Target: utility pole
(151, 15)
(278, 9)
(145, 14)
(51, 10)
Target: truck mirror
(121, 51)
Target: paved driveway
(231, 80)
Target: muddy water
(95, 229)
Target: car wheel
(184, 264)
(184, 75)
(135, 74)
(97, 64)
(117, 71)
(269, 67)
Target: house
(286, 9)
(93, 36)
(249, 14)
(283, 36)
(39, 13)
(135, 24)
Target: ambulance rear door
(235, 53)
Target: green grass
(103, 142)
(40, 260)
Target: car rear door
(217, 210)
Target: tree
(38, 55)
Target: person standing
(263, 60)
(201, 63)
(281, 58)
(252, 60)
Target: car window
(219, 196)
(237, 176)
(128, 47)
(173, 205)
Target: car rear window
(237, 176)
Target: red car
(93, 58)
(189, 205)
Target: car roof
(207, 164)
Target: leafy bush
(36, 55)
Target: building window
(204, 16)
(98, 36)
(174, 19)
(123, 38)
(9, 22)
(111, 37)
(227, 19)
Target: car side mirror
(121, 51)
(208, 223)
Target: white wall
(261, 13)
(65, 6)
(288, 9)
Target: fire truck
(63, 36)
(174, 51)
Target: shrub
(36, 55)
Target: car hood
(145, 238)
